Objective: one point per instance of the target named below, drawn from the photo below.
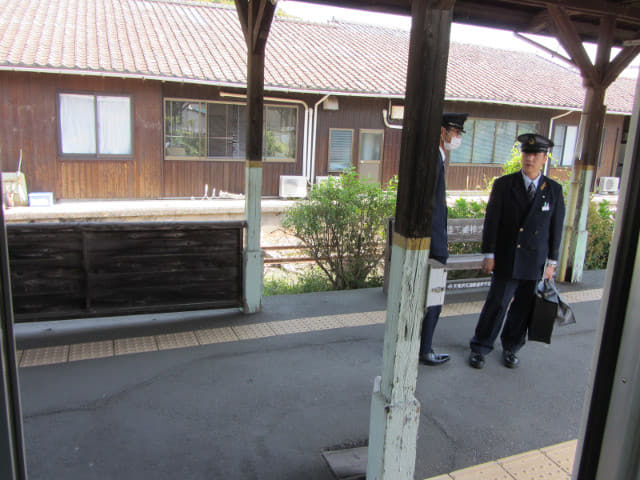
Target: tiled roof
(203, 43)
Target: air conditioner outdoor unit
(397, 112)
(608, 184)
(293, 186)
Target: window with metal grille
(340, 149)
(489, 141)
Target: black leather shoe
(510, 359)
(432, 358)
(476, 360)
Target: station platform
(223, 395)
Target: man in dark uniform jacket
(451, 132)
(521, 242)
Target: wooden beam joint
(571, 42)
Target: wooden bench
(79, 270)
(458, 230)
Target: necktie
(531, 192)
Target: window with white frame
(340, 149)
(95, 125)
(564, 144)
(204, 130)
(489, 141)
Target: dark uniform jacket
(439, 246)
(522, 236)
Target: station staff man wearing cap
(521, 242)
(451, 131)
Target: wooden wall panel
(391, 155)
(110, 179)
(29, 120)
(466, 177)
(560, 174)
(353, 113)
(610, 146)
(185, 178)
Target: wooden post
(13, 465)
(596, 79)
(575, 235)
(609, 444)
(255, 17)
(395, 411)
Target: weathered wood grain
(74, 270)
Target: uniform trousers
(430, 320)
(502, 291)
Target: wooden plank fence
(78, 270)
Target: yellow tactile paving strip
(109, 348)
(549, 463)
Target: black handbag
(549, 308)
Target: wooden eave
(525, 16)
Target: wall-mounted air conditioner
(397, 112)
(293, 186)
(608, 184)
(331, 103)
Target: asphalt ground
(265, 408)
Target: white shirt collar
(528, 181)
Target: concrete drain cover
(347, 464)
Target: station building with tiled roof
(144, 99)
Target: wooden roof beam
(571, 42)
(256, 18)
(242, 7)
(539, 23)
(619, 63)
(605, 41)
(546, 49)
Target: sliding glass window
(202, 130)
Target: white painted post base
(253, 284)
(397, 423)
(253, 265)
(580, 240)
(574, 242)
(395, 412)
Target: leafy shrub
(342, 225)
(600, 221)
(467, 209)
(312, 281)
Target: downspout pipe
(314, 133)
(306, 129)
(551, 124)
(385, 119)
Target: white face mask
(453, 144)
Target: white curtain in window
(77, 124)
(370, 146)
(114, 134)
